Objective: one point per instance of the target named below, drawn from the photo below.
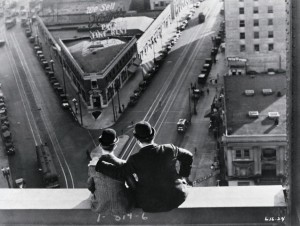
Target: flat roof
(93, 56)
(237, 104)
(134, 23)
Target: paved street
(171, 84)
(37, 117)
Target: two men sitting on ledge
(158, 187)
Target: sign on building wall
(111, 28)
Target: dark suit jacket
(160, 187)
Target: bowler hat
(143, 131)
(108, 137)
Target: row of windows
(242, 154)
(256, 34)
(255, 10)
(255, 22)
(257, 48)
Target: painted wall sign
(101, 8)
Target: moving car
(182, 125)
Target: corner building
(255, 138)
(256, 32)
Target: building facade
(256, 31)
(255, 135)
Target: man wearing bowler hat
(109, 195)
(160, 187)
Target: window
(162, 3)
(270, 9)
(242, 35)
(156, 4)
(270, 21)
(94, 84)
(242, 23)
(256, 47)
(242, 11)
(271, 46)
(242, 48)
(246, 153)
(256, 22)
(238, 154)
(241, 0)
(255, 9)
(256, 34)
(242, 154)
(270, 34)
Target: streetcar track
(167, 83)
(45, 119)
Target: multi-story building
(256, 35)
(255, 136)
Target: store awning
(132, 69)
(137, 61)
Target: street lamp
(75, 104)
(190, 111)
(80, 110)
(52, 65)
(6, 174)
(63, 73)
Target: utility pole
(80, 110)
(113, 107)
(190, 111)
(6, 174)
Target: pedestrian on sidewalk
(207, 90)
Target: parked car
(143, 85)
(138, 92)
(9, 147)
(133, 100)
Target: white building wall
(263, 59)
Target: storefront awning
(132, 69)
(137, 61)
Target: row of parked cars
(143, 85)
(5, 132)
(50, 74)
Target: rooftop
(203, 206)
(135, 23)
(93, 56)
(238, 103)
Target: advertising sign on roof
(101, 8)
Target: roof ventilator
(249, 92)
(267, 91)
(273, 115)
(253, 114)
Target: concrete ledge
(204, 206)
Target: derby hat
(143, 131)
(108, 137)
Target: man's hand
(187, 180)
